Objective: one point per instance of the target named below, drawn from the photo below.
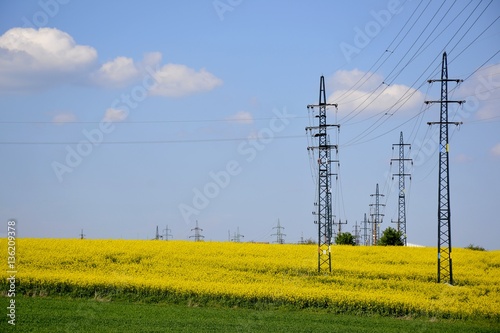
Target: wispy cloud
(495, 150)
(241, 117)
(64, 117)
(484, 87)
(115, 115)
(358, 90)
(174, 80)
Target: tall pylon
(197, 233)
(279, 235)
(357, 234)
(377, 217)
(167, 233)
(324, 211)
(157, 234)
(366, 238)
(237, 236)
(445, 271)
(401, 222)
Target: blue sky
(119, 116)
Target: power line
(145, 142)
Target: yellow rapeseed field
(385, 280)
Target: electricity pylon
(377, 217)
(197, 233)
(279, 235)
(167, 233)
(366, 238)
(445, 272)
(237, 236)
(324, 205)
(401, 222)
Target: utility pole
(167, 233)
(401, 222)
(357, 236)
(82, 236)
(279, 235)
(157, 235)
(237, 236)
(340, 226)
(197, 233)
(445, 272)
(324, 204)
(366, 238)
(377, 217)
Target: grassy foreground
(37, 314)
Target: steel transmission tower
(197, 233)
(157, 235)
(377, 217)
(401, 222)
(366, 239)
(445, 272)
(324, 203)
(279, 235)
(237, 236)
(167, 233)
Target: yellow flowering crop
(385, 280)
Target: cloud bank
(41, 59)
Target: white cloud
(117, 73)
(47, 57)
(176, 80)
(373, 95)
(481, 91)
(241, 117)
(115, 115)
(122, 71)
(32, 59)
(463, 158)
(495, 150)
(64, 117)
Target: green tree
(345, 238)
(391, 237)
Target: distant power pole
(377, 217)
(157, 235)
(324, 204)
(401, 222)
(237, 236)
(167, 233)
(445, 272)
(197, 233)
(82, 236)
(357, 236)
(339, 224)
(279, 235)
(366, 238)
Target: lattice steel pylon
(401, 222)
(198, 237)
(377, 216)
(445, 271)
(279, 234)
(324, 204)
